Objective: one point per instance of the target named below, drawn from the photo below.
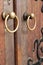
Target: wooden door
(2, 35)
(6, 39)
(24, 38)
(21, 42)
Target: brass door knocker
(33, 17)
(27, 17)
(8, 16)
(40, 59)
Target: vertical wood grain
(9, 37)
(24, 37)
(2, 37)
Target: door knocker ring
(33, 17)
(11, 15)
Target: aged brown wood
(9, 38)
(24, 37)
(6, 39)
(2, 37)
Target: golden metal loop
(32, 15)
(6, 19)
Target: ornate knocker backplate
(40, 59)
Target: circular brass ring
(6, 19)
(32, 15)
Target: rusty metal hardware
(40, 59)
(26, 15)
